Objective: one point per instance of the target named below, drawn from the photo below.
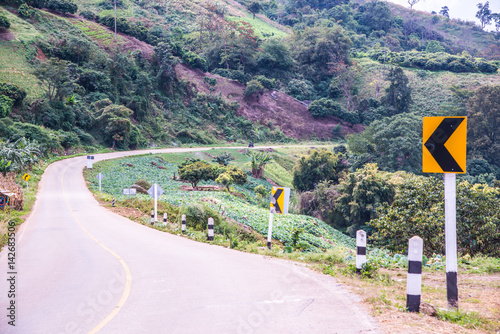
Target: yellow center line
(128, 274)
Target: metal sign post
(280, 198)
(155, 191)
(444, 151)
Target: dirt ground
(6, 35)
(273, 106)
(387, 300)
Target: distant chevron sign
(444, 145)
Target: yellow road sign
(26, 177)
(280, 199)
(444, 145)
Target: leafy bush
(63, 6)
(4, 21)
(267, 83)
(143, 183)
(253, 87)
(194, 60)
(223, 158)
(319, 165)
(26, 11)
(197, 217)
(6, 104)
(325, 107)
(210, 81)
(301, 90)
(89, 15)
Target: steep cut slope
(273, 106)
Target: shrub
(25, 11)
(4, 21)
(195, 61)
(6, 104)
(197, 217)
(69, 139)
(12, 91)
(89, 15)
(210, 81)
(267, 83)
(325, 107)
(233, 74)
(62, 6)
(225, 179)
(253, 87)
(320, 165)
(143, 183)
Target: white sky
(459, 9)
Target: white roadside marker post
(414, 278)
(210, 229)
(450, 231)
(164, 219)
(183, 226)
(152, 217)
(360, 250)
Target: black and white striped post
(164, 219)
(113, 202)
(450, 236)
(270, 228)
(414, 278)
(152, 217)
(210, 229)
(360, 250)
(183, 226)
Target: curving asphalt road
(83, 269)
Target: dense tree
(361, 193)
(196, 172)
(391, 143)
(398, 94)
(319, 165)
(484, 123)
(57, 77)
(254, 8)
(374, 15)
(445, 11)
(315, 49)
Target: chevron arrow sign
(444, 145)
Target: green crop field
(118, 175)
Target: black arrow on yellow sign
(436, 144)
(277, 195)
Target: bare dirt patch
(6, 35)
(284, 111)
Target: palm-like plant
(259, 161)
(22, 153)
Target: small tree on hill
(196, 172)
(412, 3)
(445, 11)
(398, 95)
(259, 161)
(254, 8)
(484, 14)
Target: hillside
(206, 72)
